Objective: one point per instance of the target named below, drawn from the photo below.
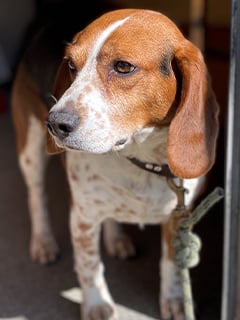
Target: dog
(133, 105)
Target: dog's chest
(113, 187)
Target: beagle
(132, 93)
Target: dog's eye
(124, 67)
(72, 68)
(71, 65)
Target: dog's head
(128, 71)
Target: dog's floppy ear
(62, 80)
(61, 84)
(194, 129)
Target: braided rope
(187, 245)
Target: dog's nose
(61, 124)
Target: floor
(29, 291)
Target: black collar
(162, 170)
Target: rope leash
(187, 245)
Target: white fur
(104, 185)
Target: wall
(16, 15)
(218, 11)
(14, 18)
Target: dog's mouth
(69, 143)
(120, 144)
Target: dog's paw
(100, 312)
(44, 250)
(121, 247)
(172, 309)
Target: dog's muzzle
(62, 124)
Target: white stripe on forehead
(102, 38)
(83, 78)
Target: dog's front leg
(97, 301)
(171, 296)
(33, 161)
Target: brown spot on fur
(131, 211)
(118, 190)
(79, 99)
(70, 104)
(97, 201)
(88, 89)
(83, 113)
(83, 241)
(93, 177)
(87, 280)
(89, 132)
(91, 252)
(84, 226)
(89, 264)
(74, 176)
(80, 208)
(28, 161)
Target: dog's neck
(148, 145)
(161, 170)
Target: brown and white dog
(130, 89)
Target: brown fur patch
(24, 97)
